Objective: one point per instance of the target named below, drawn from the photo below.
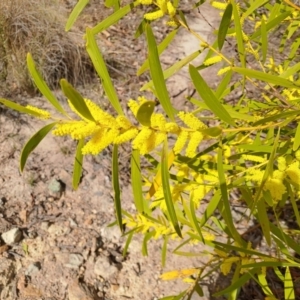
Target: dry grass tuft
(37, 26)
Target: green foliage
(251, 148)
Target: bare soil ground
(64, 248)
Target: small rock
(78, 291)
(12, 236)
(33, 268)
(45, 225)
(72, 223)
(58, 230)
(75, 261)
(103, 268)
(56, 187)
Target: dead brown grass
(37, 26)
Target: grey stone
(58, 230)
(44, 225)
(56, 188)
(75, 261)
(103, 268)
(33, 269)
(72, 223)
(12, 236)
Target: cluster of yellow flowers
(105, 129)
(165, 7)
(287, 170)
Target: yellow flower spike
(68, 127)
(43, 113)
(158, 121)
(281, 163)
(162, 4)
(297, 155)
(145, 2)
(254, 175)
(99, 141)
(154, 15)
(212, 60)
(142, 138)
(126, 136)
(293, 172)
(276, 188)
(173, 23)
(255, 158)
(98, 114)
(223, 71)
(159, 138)
(180, 143)
(149, 144)
(278, 175)
(195, 139)
(218, 5)
(85, 131)
(172, 127)
(171, 9)
(133, 106)
(123, 122)
(191, 121)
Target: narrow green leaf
(100, 66)
(212, 131)
(192, 218)
(272, 79)
(164, 251)
(264, 220)
(224, 25)
(157, 180)
(211, 208)
(264, 40)
(297, 138)
(113, 3)
(239, 34)
(175, 297)
(209, 97)
(236, 285)
(254, 6)
(116, 186)
(289, 292)
(271, 24)
(146, 239)
(145, 112)
(290, 242)
(293, 202)
(81, 4)
(157, 75)
(173, 69)
(225, 200)
(223, 85)
(19, 108)
(283, 115)
(114, 18)
(160, 48)
(290, 71)
(166, 189)
(128, 240)
(76, 99)
(33, 142)
(77, 171)
(42, 85)
(136, 180)
(141, 29)
(261, 276)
